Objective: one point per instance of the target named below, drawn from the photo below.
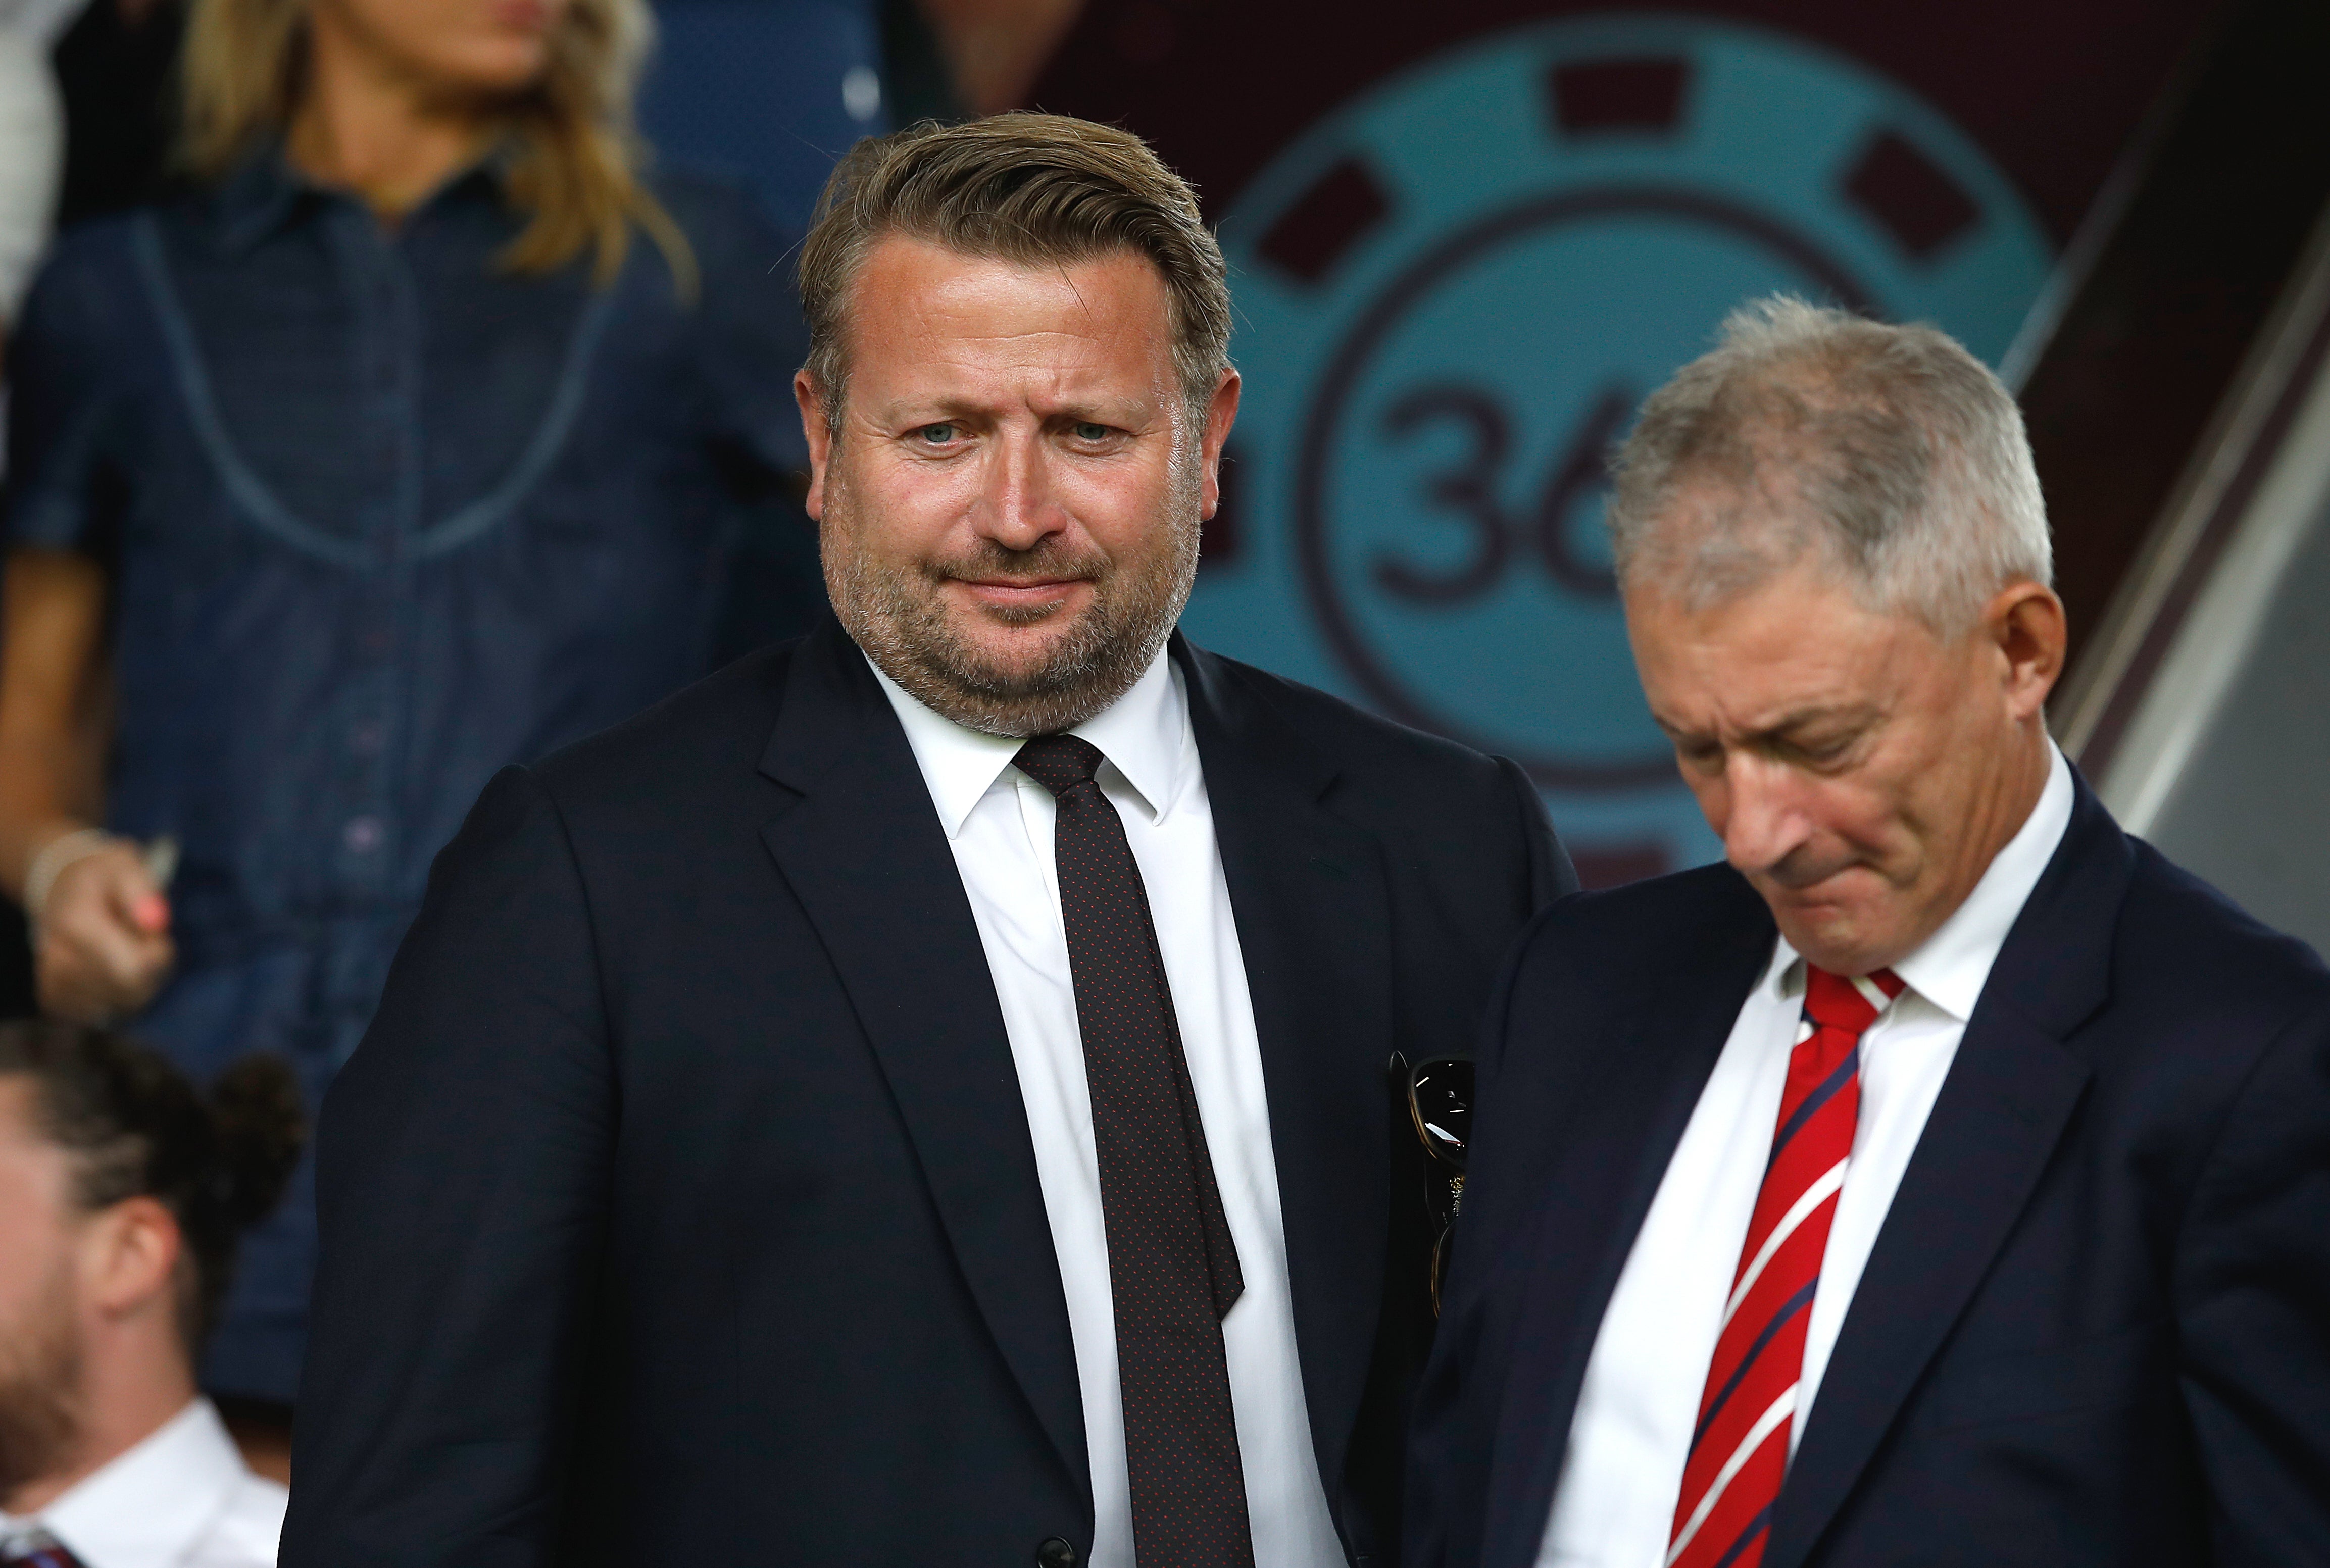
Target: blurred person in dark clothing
(114, 67)
(121, 1194)
(409, 444)
(85, 128)
(31, 141)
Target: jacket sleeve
(2253, 1309)
(1551, 875)
(463, 1167)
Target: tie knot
(33, 1547)
(1059, 762)
(1850, 1003)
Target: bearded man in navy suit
(1946, 1179)
(919, 1096)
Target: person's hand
(102, 943)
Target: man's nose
(1765, 822)
(1017, 505)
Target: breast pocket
(2125, 1369)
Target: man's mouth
(1014, 593)
(1808, 891)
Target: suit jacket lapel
(863, 852)
(2009, 1095)
(1621, 1107)
(1313, 924)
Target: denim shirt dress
(380, 517)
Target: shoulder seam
(591, 920)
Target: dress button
(1056, 1553)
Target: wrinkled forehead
(904, 274)
(1789, 639)
(919, 309)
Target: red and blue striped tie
(1740, 1448)
(33, 1547)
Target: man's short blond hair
(1889, 451)
(1036, 190)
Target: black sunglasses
(1440, 1105)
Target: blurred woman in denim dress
(413, 443)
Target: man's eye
(937, 435)
(1086, 431)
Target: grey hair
(1889, 448)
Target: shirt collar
(258, 198)
(266, 190)
(147, 1505)
(1951, 966)
(1144, 734)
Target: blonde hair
(577, 172)
(1032, 189)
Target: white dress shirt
(181, 1498)
(1615, 1505)
(999, 823)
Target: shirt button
(1056, 1553)
(367, 737)
(362, 834)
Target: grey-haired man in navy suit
(1943, 1180)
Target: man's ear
(2025, 621)
(819, 436)
(130, 1257)
(1221, 413)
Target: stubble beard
(39, 1393)
(896, 613)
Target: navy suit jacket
(2094, 1328)
(680, 1207)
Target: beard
(40, 1383)
(896, 612)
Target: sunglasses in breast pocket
(1439, 1091)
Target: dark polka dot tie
(1172, 1267)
